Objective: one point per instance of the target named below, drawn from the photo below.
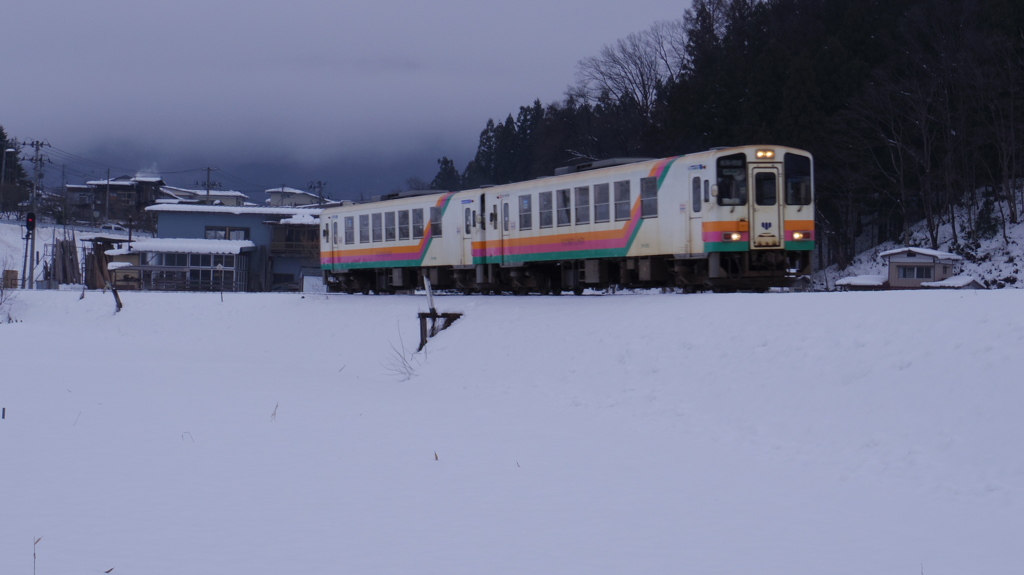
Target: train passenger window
(707, 190)
(525, 212)
(435, 221)
(564, 207)
(765, 189)
(389, 226)
(696, 203)
(602, 212)
(545, 210)
(583, 205)
(403, 225)
(798, 180)
(732, 180)
(377, 228)
(622, 201)
(417, 223)
(648, 197)
(468, 223)
(364, 229)
(504, 216)
(350, 230)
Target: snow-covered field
(807, 433)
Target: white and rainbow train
(724, 219)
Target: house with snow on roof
(113, 199)
(285, 197)
(914, 268)
(171, 194)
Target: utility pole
(319, 187)
(209, 184)
(9, 146)
(106, 204)
(37, 161)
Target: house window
(545, 210)
(622, 200)
(525, 212)
(914, 272)
(564, 207)
(583, 205)
(417, 223)
(601, 209)
(350, 230)
(364, 228)
(226, 233)
(403, 225)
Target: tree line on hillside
(911, 108)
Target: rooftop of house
(921, 251)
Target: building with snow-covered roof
(161, 264)
(114, 199)
(285, 243)
(911, 267)
(284, 197)
(215, 197)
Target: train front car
(758, 227)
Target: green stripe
(800, 246)
(726, 247)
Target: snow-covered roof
(188, 192)
(922, 251)
(304, 218)
(125, 181)
(863, 281)
(287, 190)
(955, 282)
(184, 245)
(118, 265)
(164, 208)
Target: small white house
(915, 268)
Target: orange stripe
(557, 238)
(728, 226)
(414, 249)
(800, 225)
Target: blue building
(285, 246)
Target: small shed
(910, 268)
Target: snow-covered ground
(860, 433)
(844, 433)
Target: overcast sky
(363, 95)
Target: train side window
(601, 203)
(696, 194)
(403, 225)
(649, 197)
(364, 229)
(377, 229)
(417, 223)
(468, 223)
(583, 205)
(335, 226)
(564, 207)
(525, 212)
(545, 210)
(798, 180)
(435, 221)
(707, 190)
(350, 230)
(389, 226)
(622, 200)
(732, 180)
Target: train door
(469, 230)
(505, 227)
(699, 190)
(765, 216)
(332, 239)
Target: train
(726, 219)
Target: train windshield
(732, 180)
(798, 180)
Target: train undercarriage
(722, 271)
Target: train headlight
(765, 154)
(797, 236)
(732, 236)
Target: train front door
(765, 216)
(470, 230)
